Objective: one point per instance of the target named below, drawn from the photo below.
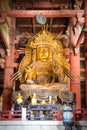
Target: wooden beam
(47, 13)
(48, 5)
(30, 26)
(41, 6)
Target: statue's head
(43, 53)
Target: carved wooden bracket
(3, 18)
(2, 62)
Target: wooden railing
(12, 115)
(78, 115)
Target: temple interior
(43, 54)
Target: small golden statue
(19, 98)
(34, 99)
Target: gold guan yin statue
(43, 66)
(41, 71)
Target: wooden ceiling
(57, 21)
(57, 12)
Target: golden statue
(43, 64)
(44, 55)
(34, 99)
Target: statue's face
(43, 53)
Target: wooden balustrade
(12, 115)
(79, 114)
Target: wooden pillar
(86, 68)
(75, 61)
(9, 69)
(85, 45)
(75, 84)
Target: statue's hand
(29, 81)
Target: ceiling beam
(30, 26)
(47, 13)
(41, 6)
(46, 5)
